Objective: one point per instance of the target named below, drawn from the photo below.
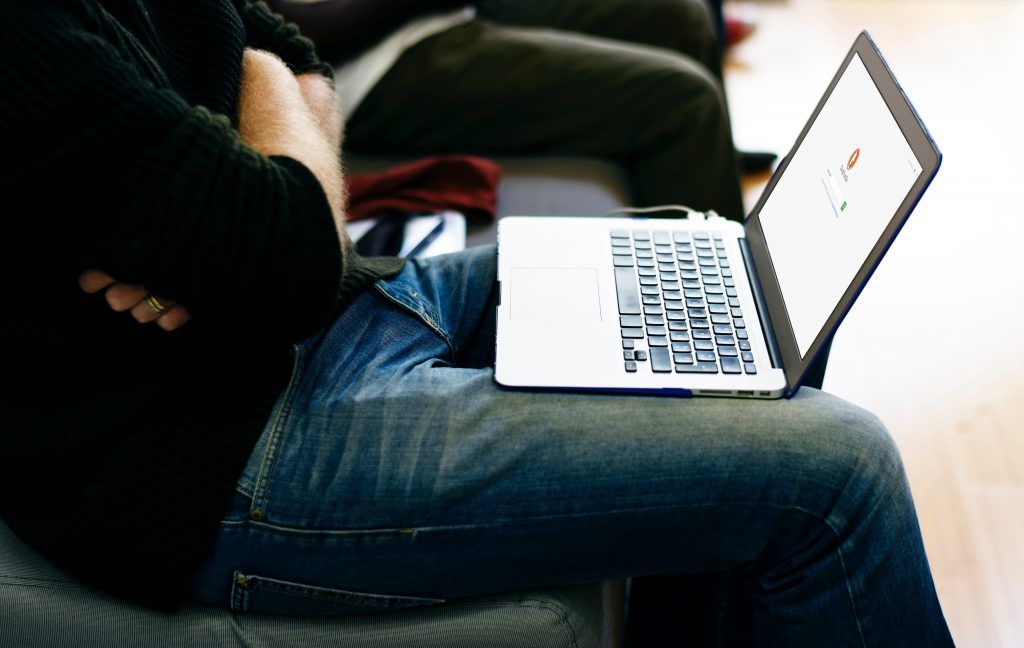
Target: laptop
(705, 306)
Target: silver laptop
(705, 306)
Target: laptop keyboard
(678, 306)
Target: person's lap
(394, 466)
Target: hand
(122, 297)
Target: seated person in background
(636, 81)
(302, 414)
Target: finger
(92, 281)
(174, 318)
(144, 313)
(121, 296)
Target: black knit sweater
(120, 443)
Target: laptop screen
(841, 189)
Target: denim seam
(404, 530)
(263, 478)
(257, 583)
(429, 319)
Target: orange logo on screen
(853, 160)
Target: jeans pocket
(252, 593)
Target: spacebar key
(625, 288)
(661, 362)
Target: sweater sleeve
(268, 31)
(124, 176)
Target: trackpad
(555, 295)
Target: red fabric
(460, 183)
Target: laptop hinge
(762, 306)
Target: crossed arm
(278, 114)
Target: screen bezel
(921, 143)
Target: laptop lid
(835, 204)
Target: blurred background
(933, 346)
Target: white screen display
(841, 188)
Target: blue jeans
(394, 472)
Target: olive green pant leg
(492, 89)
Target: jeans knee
(867, 460)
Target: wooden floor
(935, 344)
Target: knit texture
(121, 443)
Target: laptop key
(628, 355)
(653, 310)
(640, 355)
(720, 329)
(640, 235)
(725, 340)
(649, 290)
(747, 356)
(662, 238)
(676, 316)
(739, 323)
(670, 285)
(656, 330)
(661, 361)
(622, 261)
(652, 299)
(736, 312)
(631, 366)
(695, 303)
(649, 281)
(750, 368)
(700, 367)
(701, 335)
(715, 299)
(720, 319)
(630, 320)
(734, 303)
(741, 334)
(706, 356)
(679, 336)
(681, 347)
(620, 234)
(645, 263)
(725, 351)
(718, 309)
(673, 305)
(677, 325)
(745, 346)
(625, 289)
(672, 294)
(653, 320)
(682, 358)
(657, 341)
(703, 345)
(731, 365)
(633, 333)
(628, 344)
(726, 272)
(699, 323)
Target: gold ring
(155, 304)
